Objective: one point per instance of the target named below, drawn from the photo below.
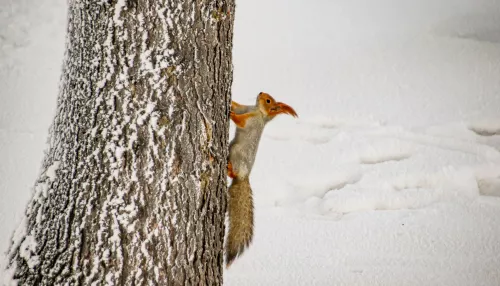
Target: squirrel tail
(240, 208)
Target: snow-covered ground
(391, 175)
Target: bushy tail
(240, 208)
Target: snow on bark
(133, 184)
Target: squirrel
(250, 122)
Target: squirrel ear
(286, 109)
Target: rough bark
(133, 185)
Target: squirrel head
(270, 108)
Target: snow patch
(27, 251)
(303, 186)
(408, 192)
(488, 180)
(120, 4)
(51, 171)
(486, 127)
(383, 151)
(489, 186)
(331, 122)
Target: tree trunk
(133, 185)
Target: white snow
(118, 9)
(51, 171)
(27, 249)
(486, 127)
(391, 175)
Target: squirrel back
(240, 218)
(245, 144)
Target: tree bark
(133, 185)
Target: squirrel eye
(268, 101)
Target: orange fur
(241, 119)
(230, 171)
(235, 105)
(273, 108)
